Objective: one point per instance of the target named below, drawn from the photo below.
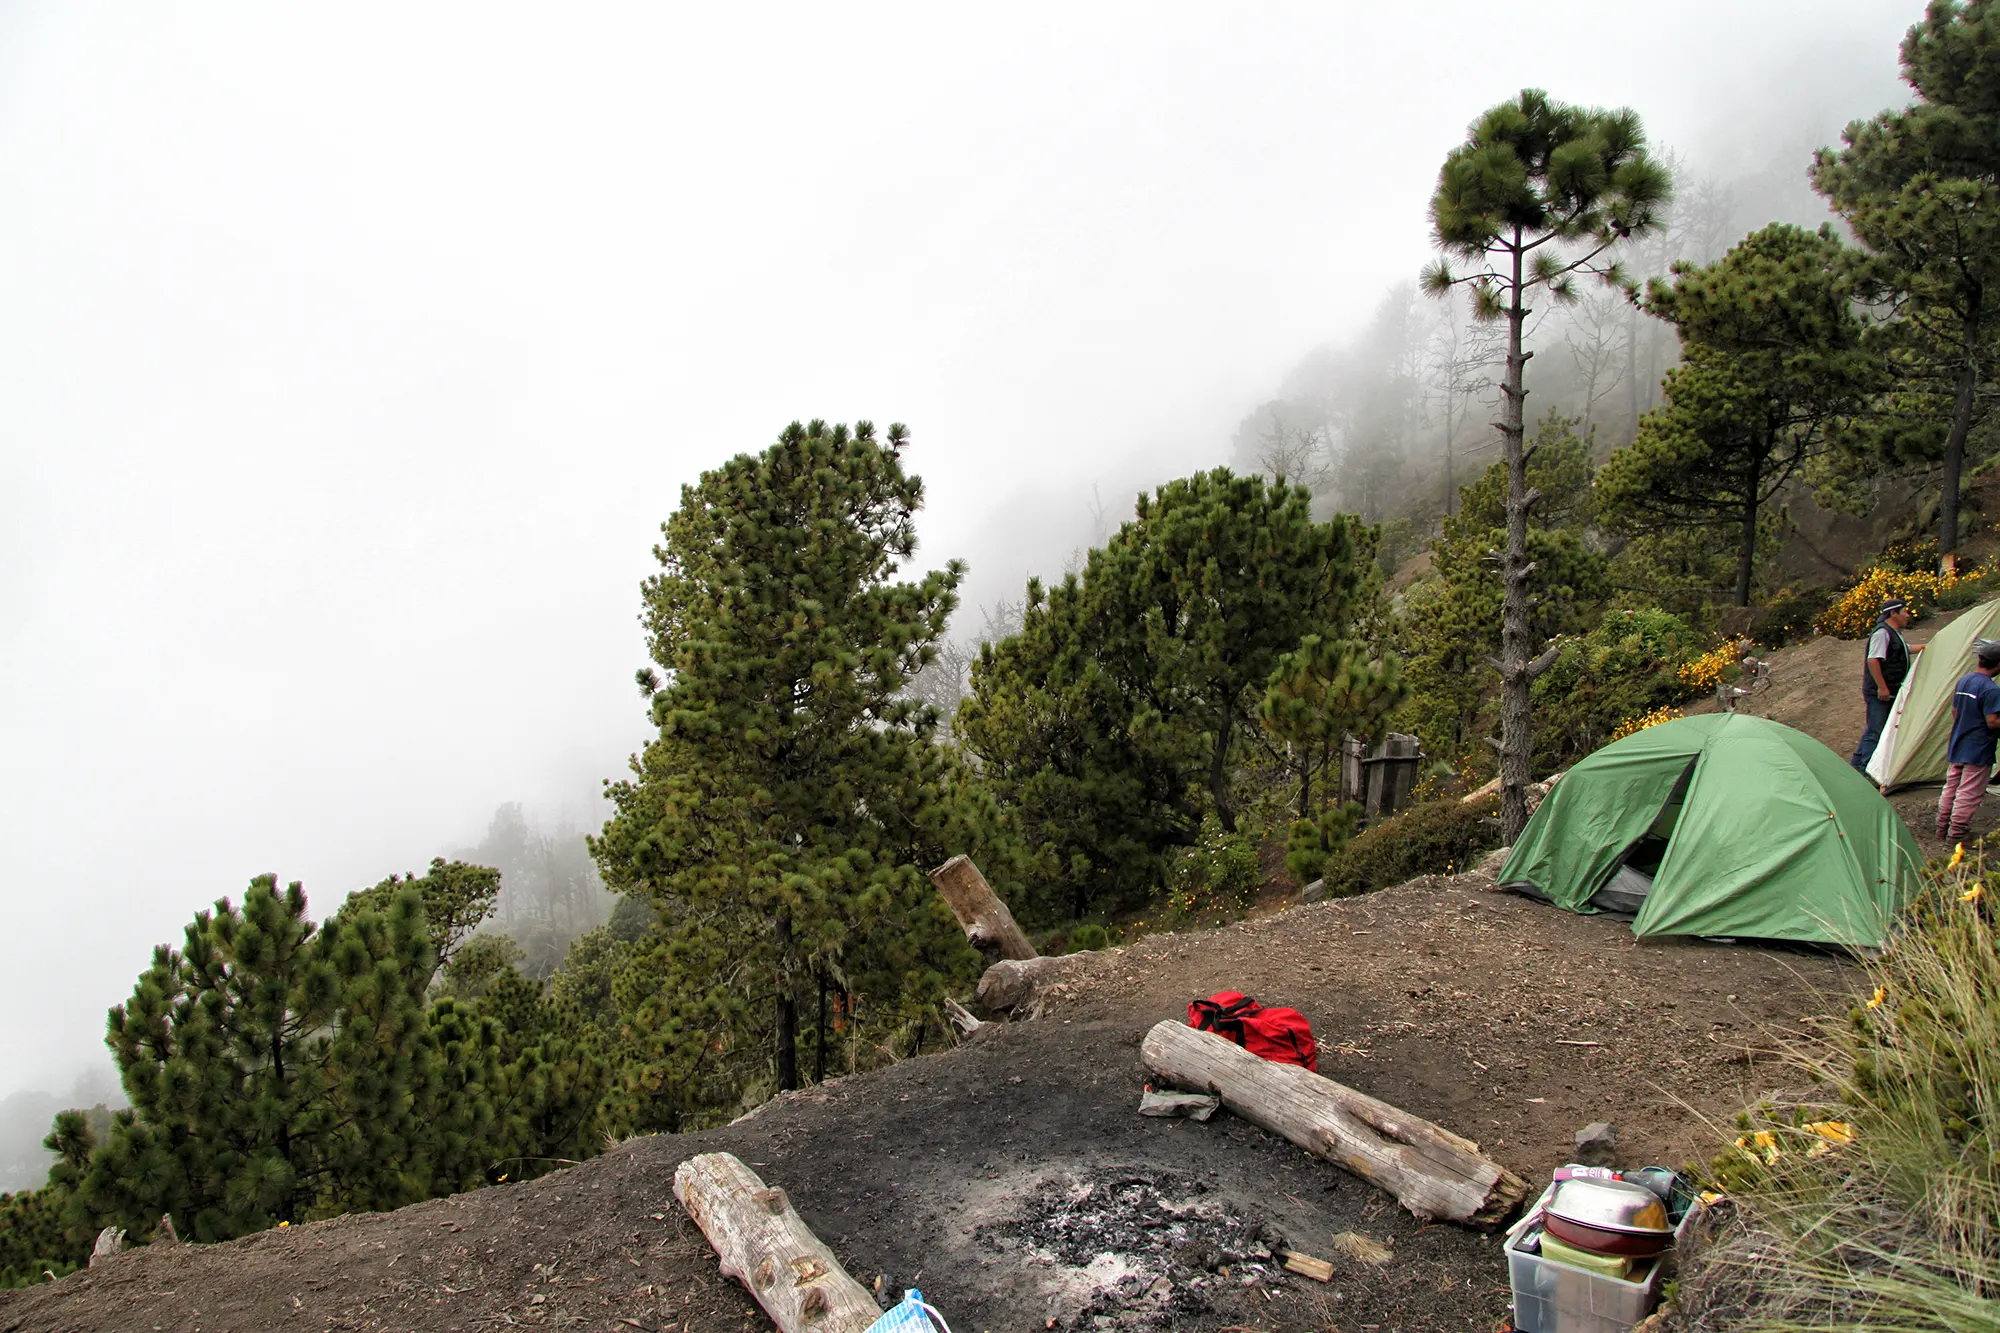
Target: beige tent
(1912, 747)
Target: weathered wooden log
(984, 918)
(764, 1245)
(1431, 1171)
(1018, 984)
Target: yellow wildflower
(1875, 1000)
(1972, 894)
(284, 1224)
(1833, 1131)
(1957, 855)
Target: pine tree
(1133, 684)
(1921, 189)
(795, 788)
(1452, 623)
(1773, 360)
(43, 1232)
(1539, 193)
(278, 1071)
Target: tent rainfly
(1911, 750)
(1721, 824)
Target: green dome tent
(1722, 824)
(1912, 746)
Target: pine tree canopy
(1130, 684)
(1920, 188)
(1537, 172)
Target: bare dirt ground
(1013, 1181)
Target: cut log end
(987, 923)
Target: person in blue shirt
(1975, 730)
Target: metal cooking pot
(1609, 1217)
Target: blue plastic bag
(910, 1315)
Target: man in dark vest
(1882, 672)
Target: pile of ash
(1130, 1247)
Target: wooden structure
(981, 915)
(1381, 782)
(1431, 1171)
(764, 1245)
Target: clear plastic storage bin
(1551, 1297)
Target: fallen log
(981, 915)
(764, 1245)
(1020, 984)
(1431, 1171)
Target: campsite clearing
(1013, 1180)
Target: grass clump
(1874, 1203)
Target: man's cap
(1890, 607)
(1987, 651)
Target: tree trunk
(767, 1247)
(1431, 1171)
(1954, 448)
(1516, 673)
(1218, 771)
(981, 915)
(788, 1010)
(819, 1034)
(1746, 551)
(1450, 429)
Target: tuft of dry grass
(1874, 1202)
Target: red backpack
(1276, 1034)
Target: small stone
(1597, 1144)
(1313, 892)
(1160, 1287)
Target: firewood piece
(764, 1245)
(1431, 1171)
(110, 1242)
(961, 1017)
(1362, 1249)
(984, 918)
(1319, 1270)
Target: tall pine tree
(783, 817)
(1539, 194)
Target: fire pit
(1134, 1247)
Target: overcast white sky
(350, 357)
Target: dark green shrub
(1625, 667)
(1438, 838)
(1091, 936)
